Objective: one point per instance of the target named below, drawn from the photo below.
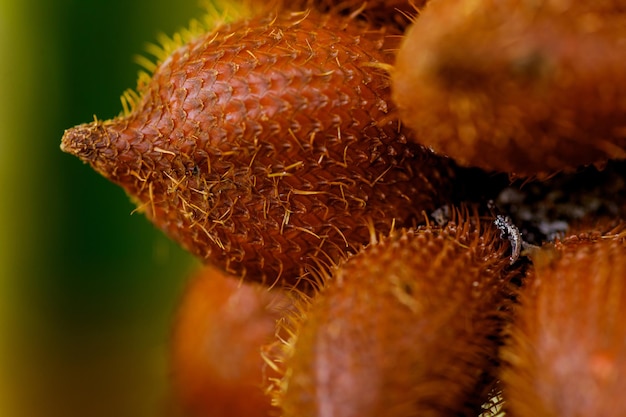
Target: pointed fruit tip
(82, 140)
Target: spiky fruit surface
(396, 14)
(408, 326)
(517, 86)
(269, 145)
(567, 353)
(221, 324)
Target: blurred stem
(83, 331)
(21, 120)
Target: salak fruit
(409, 326)
(220, 327)
(270, 146)
(567, 352)
(518, 86)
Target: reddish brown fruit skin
(516, 86)
(406, 327)
(567, 352)
(397, 14)
(269, 145)
(221, 324)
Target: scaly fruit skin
(269, 146)
(407, 327)
(517, 86)
(567, 352)
(396, 14)
(221, 324)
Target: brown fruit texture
(567, 352)
(396, 14)
(516, 86)
(221, 324)
(269, 146)
(408, 326)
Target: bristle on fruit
(270, 146)
(408, 326)
(391, 14)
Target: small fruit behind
(221, 324)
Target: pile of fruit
(405, 208)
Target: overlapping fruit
(340, 167)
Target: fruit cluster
(360, 179)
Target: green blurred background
(87, 290)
